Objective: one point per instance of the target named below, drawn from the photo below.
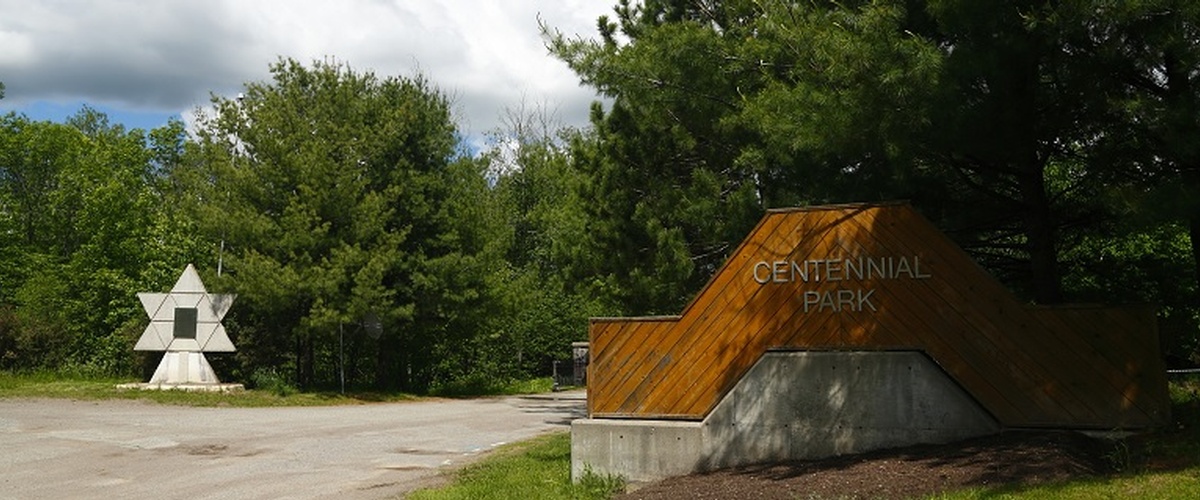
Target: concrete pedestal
(182, 367)
(791, 406)
(187, 371)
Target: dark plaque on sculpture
(185, 322)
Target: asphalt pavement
(133, 450)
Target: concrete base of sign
(184, 387)
(791, 406)
(184, 367)
(184, 370)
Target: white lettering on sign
(861, 268)
(839, 300)
(839, 270)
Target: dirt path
(130, 450)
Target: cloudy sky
(142, 62)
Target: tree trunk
(309, 363)
(1037, 217)
(1194, 235)
(1041, 228)
(304, 362)
(1041, 235)
(391, 363)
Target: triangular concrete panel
(218, 341)
(166, 311)
(221, 302)
(209, 312)
(152, 302)
(191, 300)
(204, 331)
(165, 332)
(189, 282)
(150, 341)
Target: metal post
(232, 164)
(342, 356)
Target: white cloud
(168, 56)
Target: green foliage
(1140, 263)
(537, 468)
(1182, 444)
(1028, 131)
(1055, 142)
(337, 196)
(269, 380)
(334, 203)
(593, 485)
(1185, 394)
(545, 286)
(666, 195)
(83, 233)
(483, 384)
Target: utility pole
(232, 164)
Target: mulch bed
(1011, 458)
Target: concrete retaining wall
(792, 406)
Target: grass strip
(50, 385)
(1170, 484)
(486, 386)
(536, 468)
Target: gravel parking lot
(128, 449)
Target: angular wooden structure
(880, 277)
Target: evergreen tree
(982, 113)
(333, 195)
(668, 191)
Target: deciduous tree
(83, 233)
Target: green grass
(50, 385)
(1181, 484)
(273, 391)
(537, 468)
(486, 386)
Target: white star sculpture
(185, 320)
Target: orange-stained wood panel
(715, 318)
(879, 277)
(759, 322)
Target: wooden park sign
(880, 277)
